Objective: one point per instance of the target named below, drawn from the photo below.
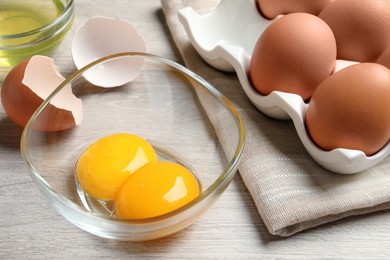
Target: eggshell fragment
(350, 109)
(28, 84)
(361, 29)
(271, 9)
(294, 54)
(103, 36)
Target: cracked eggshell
(102, 36)
(28, 84)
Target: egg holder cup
(225, 38)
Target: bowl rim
(68, 9)
(216, 187)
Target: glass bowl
(166, 105)
(30, 27)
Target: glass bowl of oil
(186, 120)
(30, 27)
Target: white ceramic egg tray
(225, 39)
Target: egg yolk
(155, 189)
(106, 164)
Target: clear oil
(19, 17)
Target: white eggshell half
(103, 36)
(42, 69)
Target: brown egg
(351, 109)
(28, 84)
(273, 8)
(294, 54)
(361, 29)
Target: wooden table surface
(231, 229)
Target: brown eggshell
(361, 29)
(272, 8)
(25, 88)
(351, 109)
(294, 54)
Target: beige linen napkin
(291, 191)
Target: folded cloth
(291, 191)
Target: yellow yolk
(106, 164)
(156, 189)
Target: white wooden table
(231, 229)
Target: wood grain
(232, 228)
